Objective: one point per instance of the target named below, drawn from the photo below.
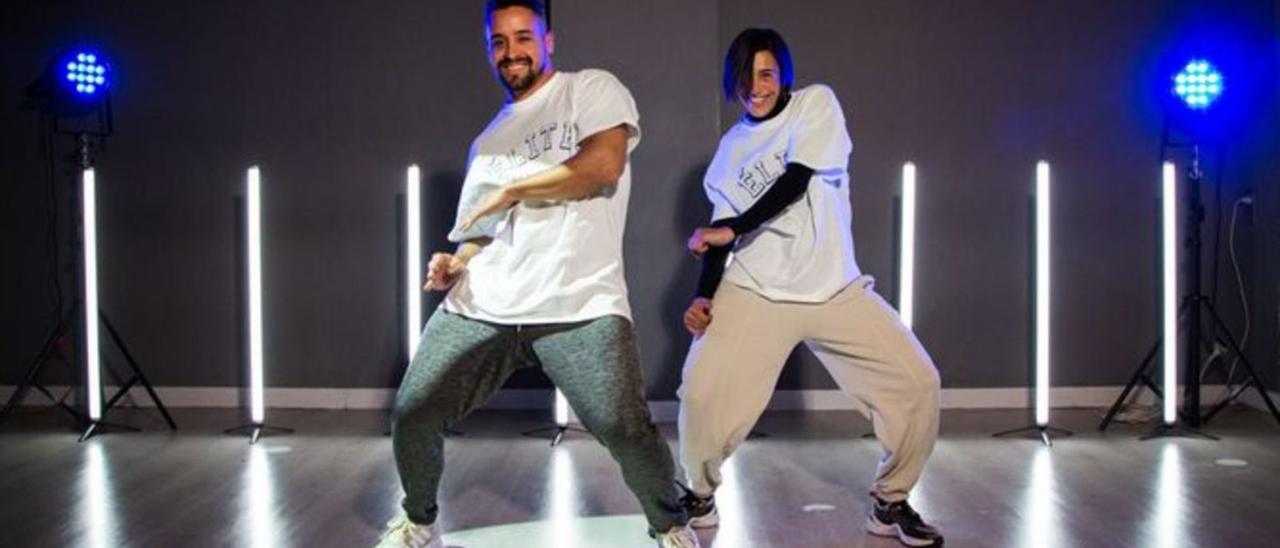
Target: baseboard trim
(663, 410)
(1254, 400)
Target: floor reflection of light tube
(730, 503)
(99, 523)
(1168, 503)
(1041, 528)
(260, 504)
(563, 489)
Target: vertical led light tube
(413, 257)
(562, 409)
(907, 254)
(1042, 293)
(253, 198)
(92, 362)
(1169, 293)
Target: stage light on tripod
(907, 253)
(413, 257)
(1169, 292)
(253, 216)
(85, 74)
(1198, 84)
(1042, 293)
(92, 350)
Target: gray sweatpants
(461, 362)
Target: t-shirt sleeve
(820, 140)
(475, 187)
(602, 102)
(721, 207)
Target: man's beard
(518, 84)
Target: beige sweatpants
(731, 371)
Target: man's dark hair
(742, 53)
(536, 6)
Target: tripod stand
(1042, 430)
(1189, 311)
(64, 330)
(556, 432)
(561, 426)
(57, 338)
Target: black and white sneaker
(897, 519)
(702, 510)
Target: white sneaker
(402, 533)
(678, 537)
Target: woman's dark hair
(742, 53)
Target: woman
(779, 187)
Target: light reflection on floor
(731, 504)
(564, 529)
(97, 506)
(1040, 528)
(259, 502)
(259, 521)
(563, 490)
(1168, 499)
(1079, 493)
(597, 532)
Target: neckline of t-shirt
(538, 96)
(746, 122)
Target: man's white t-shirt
(548, 262)
(805, 254)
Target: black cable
(1217, 238)
(1217, 225)
(1219, 181)
(51, 226)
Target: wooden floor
(333, 483)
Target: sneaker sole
(712, 519)
(875, 527)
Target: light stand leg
(1041, 431)
(257, 430)
(556, 432)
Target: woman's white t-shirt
(805, 254)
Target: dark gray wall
(664, 61)
(1265, 346)
(332, 99)
(335, 99)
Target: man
(779, 187)
(537, 278)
